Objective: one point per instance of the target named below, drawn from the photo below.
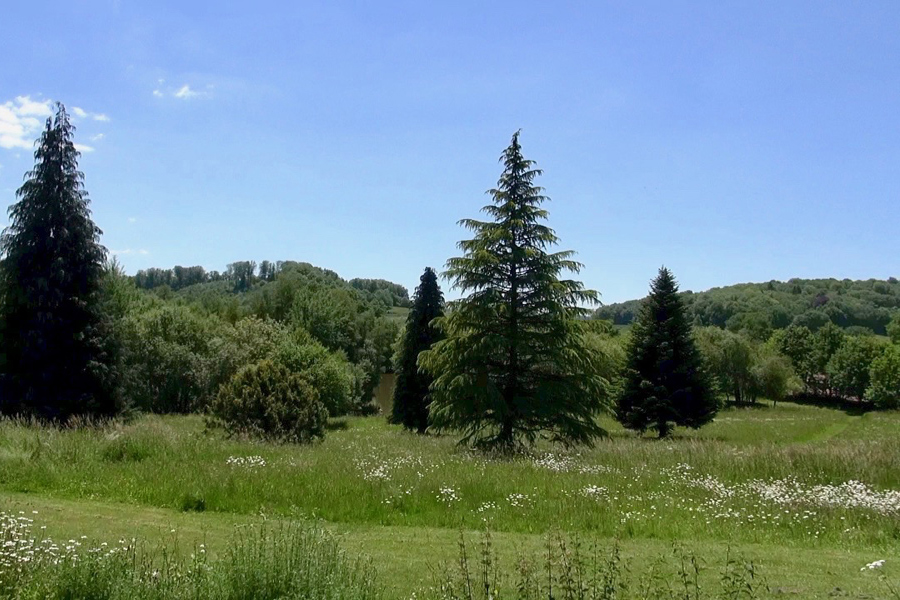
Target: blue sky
(731, 141)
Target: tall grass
(289, 561)
(761, 475)
(572, 570)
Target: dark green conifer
(665, 382)
(56, 358)
(514, 361)
(410, 407)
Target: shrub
(247, 342)
(267, 400)
(327, 372)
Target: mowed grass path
(771, 484)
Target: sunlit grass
(754, 475)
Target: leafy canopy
(514, 361)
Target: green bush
(267, 400)
(247, 342)
(327, 372)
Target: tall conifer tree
(410, 407)
(514, 361)
(665, 383)
(56, 357)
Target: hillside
(762, 307)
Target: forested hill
(759, 308)
(248, 276)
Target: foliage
(513, 362)
(247, 342)
(848, 368)
(773, 375)
(759, 308)
(745, 370)
(410, 403)
(393, 294)
(329, 373)
(665, 382)
(893, 328)
(796, 343)
(166, 358)
(267, 400)
(884, 377)
(730, 360)
(58, 353)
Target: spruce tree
(410, 407)
(514, 362)
(56, 358)
(665, 382)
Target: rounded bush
(267, 400)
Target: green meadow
(809, 495)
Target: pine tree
(56, 358)
(514, 361)
(410, 407)
(665, 382)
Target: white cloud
(20, 121)
(185, 92)
(132, 219)
(83, 114)
(98, 137)
(142, 252)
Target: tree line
(758, 309)
(275, 349)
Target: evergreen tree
(56, 358)
(665, 383)
(514, 361)
(410, 393)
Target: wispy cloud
(84, 148)
(185, 92)
(98, 137)
(21, 120)
(132, 219)
(130, 251)
(83, 114)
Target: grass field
(810, 494)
